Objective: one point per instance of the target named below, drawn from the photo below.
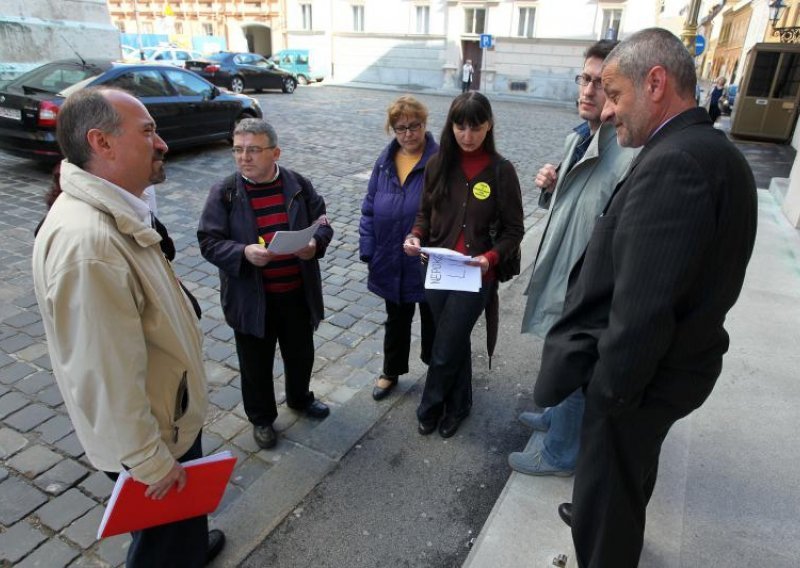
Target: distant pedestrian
(124, 342)
(714, 98)
(575, 192)
(466, 75)
(642, 331)
(267, 298)
(387, 215)
(469, 192)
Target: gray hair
(257, 126)
(652, 47)
(81, 112)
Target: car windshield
(54, 77)
(217, 56)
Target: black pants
(288, 323)
(174, 545)
(448, 385)
(397, 338)
(465, 86)
(614, 480)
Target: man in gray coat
(576, 193)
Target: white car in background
(130, 54)
(176, 56)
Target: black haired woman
(471, 203)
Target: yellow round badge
(481, 190)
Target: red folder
(129, 510)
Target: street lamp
(787, 34)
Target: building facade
(536, 45)
(33, 32)
(243, 25)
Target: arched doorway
(259, 38)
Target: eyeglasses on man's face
(413, 127)
(254, 150)
(583, 80)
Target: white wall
(390, 52)
(33, 32)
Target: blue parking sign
(486, 40)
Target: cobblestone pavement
(51, 499)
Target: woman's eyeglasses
(410, 128)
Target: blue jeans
(562, 440)
(448, 386)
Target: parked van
(297, 62)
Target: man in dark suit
(642, 330)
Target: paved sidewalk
(51, 499)
(727, 490)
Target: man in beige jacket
(124, 341)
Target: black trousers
(397, 336)
(614, 480)
(448, 385)
(174, 545)
(288, 323)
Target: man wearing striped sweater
(267, 298)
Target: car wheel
(302, 80)
(289, 85)
(237, 84)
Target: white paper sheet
(289, 242)
(447, 270)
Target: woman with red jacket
(471, 203)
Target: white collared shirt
(138, 204)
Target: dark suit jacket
(646, 304)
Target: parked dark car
(240, 71)
(188, 110)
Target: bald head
(110, 133)
(82, 111)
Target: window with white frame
(208, 29)
(611, 22)
(178, 27)
(474, 20)
(305, 11)
(527, 15)
(358, 17)
(423, 19)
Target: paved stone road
(51, 499)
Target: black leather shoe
(216, 542)
(379, 393)
(265, 436)
(317, 409)
(425, 427)
(449, 426)
(565, 512)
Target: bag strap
(229, 192)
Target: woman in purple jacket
(387, 215)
